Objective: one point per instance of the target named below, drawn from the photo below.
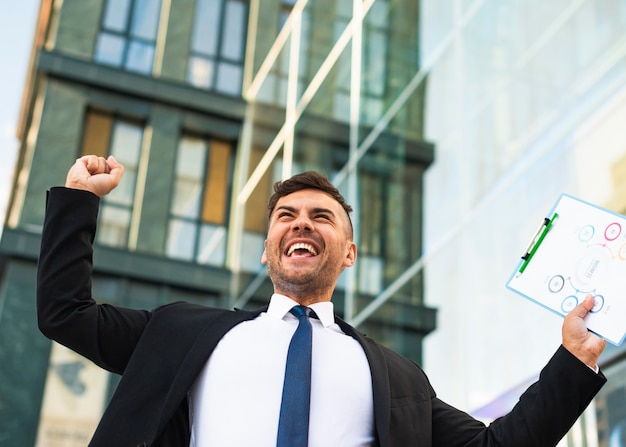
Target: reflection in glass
(129, 43)
(198, 210)
(212, 245)
(181, 239)
(217, 45)
(206, 27)
(146, 19)
(109, 49)
(113, 226)
(116, 15)
(125, 147)
(229, 78)
(233, 41)
(140, 57)
(200, 72)
(189, 178)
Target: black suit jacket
(160, 353)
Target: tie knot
(301, 311)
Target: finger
(103, 167)
(81, 163)
(115, 168)
(583, 308)
(90, 162)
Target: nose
(302, 223)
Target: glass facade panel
(146, 19)
(234, 22)
(524, 101)
(116, 15)
(97, 133)
(229, 77)
(274, 86)
(200, 72)
(611, 408)
(114, 225)
(198, 210)
(217, 45)
(285, 9)
(254, 226)
(206, 27)
(212, 245)
(129, 43)
(110, 49)
(181, 240)
(189, 178)
(126, 148)
(140, 57)
(335, 123)
(104, 135)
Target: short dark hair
(307, 180)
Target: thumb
(116, 169)
(583, 308)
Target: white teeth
(301, 246)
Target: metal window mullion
(217, 58)
(140, 186)
(264, 70)
(199, 219)
(292, 93)
(126, 35)
(355, 110)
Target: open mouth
(301, 249)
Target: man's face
(308, 245)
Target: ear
(264, 255)
(350, 258)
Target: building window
(200, 202)
(275, 87)
(128, 34)
(375, 50)
(104, 135)
(217, 45)
(374, 60)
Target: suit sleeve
(66, 311)
(542, 416)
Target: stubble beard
(311, 284)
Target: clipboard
(579, 249)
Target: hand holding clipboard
(580, 250)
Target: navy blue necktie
(293, 425)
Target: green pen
(536, 242)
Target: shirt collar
(280, 305)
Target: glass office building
(525, 101)
(451, 126)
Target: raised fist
(98, 175)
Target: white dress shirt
(235, 401)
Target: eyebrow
(315, 210)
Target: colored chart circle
(612, 231)
(569, 304)
(556, 283)
(598, 304)
(586, 233)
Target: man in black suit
(199, 376)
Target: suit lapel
(208, 337)
(380, 381)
